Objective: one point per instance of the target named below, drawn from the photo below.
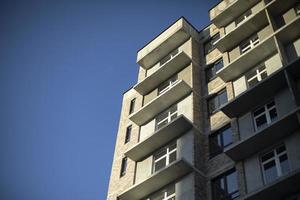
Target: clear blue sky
(63, 68)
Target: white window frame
(168, 57)
(266, 112)
(257, 75)
(277, 162)
(168, 118)
(243, 18)
(165, 194)
(249, 44)
(167, 85)
(167, 156)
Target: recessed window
(217, 101)
(132, 105)
(164, 157)
(243, 17)
(225, 186)
(123, 166)
(219, 140)
(166, 117)
(265, 115)
(249, 44)
(256, 75)
(209, 45)
(275, 164)
(167, 85)
(167, 193)
(128, 134)
(211, 72)
(168, 57)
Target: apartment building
(215, 113)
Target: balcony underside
(255, 143)
(289, 32)
(231, 12)
(160, 103)
(157, 181)
(279, 189)
(278, 7)
(159, 138)
(179, 62)
(253, 96)
(244, 62)
(246, 29)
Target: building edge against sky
(215, 113)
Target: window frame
(266, 112)
(169, 57)
(166, 85)
(124, 164)
(214, 96)
(128, 134)
(213, 70)
(257, 75)
(243, 17)
(169, 118)
(166, 156)
(276, 157)
(220, 132)
(132, 106)
(249, 44)
(164, 191)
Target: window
(212, 70)
(217, 101)
(249, 44)
(165, 194)
(297, 8)
(123, 166)
(164, 157)
(128, 134)
(166, 117)
(132, 105)
(167, 85)
(209, 46)
(256, 75)
(225, 186)
(219, 140)
(275, 164)
(265, 115)
(243, 17)
(169, 57)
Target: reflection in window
(275, 164)
(219, 140)
(217, 101)
(265, 115)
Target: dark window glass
(209, 46)
(128, 134)
(123, 166)
(225, 187)
(132, 105)
(211, 72)
(217, 101)
(219, 140)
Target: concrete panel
(273, 64)
(186, 75)
(234, 53)
(185, 107)
(147, 130)
(264, 33)
(143, 169)
(246, 125)
(284, 102)
(293, 149)
(185, 188)
(289, 15)
(256, 8)
(230, 27)
(240, 85)
(185, 147)
(253, 176)
(150, 96)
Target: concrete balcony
(180, 61)
(164, 43)
(277, 7)
(241, 104)
(245, 61)
(160, 103)
(279, 189)
(261, 139)
(159, 138)
(252, 25)
(228, 10)
(289, 32)
(157, 180)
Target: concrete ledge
(160, 103)
(170, 131)
(261, 139)
(244, 62)
(158, 180)
(289, 32)
(279, 189)
(244, 30)
(253, 96)
(180, 61)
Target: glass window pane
(253, 82)
(172, 157)
(280, 149)
(267, 156)
(223, 98)
(159, 164)
(270, 171)
(284, 164)
(261, 121)
(218, 65)
(232, 184)
(264, 75)
(162, 152)
(214, 145)
(259, 111)
(271, 104)
(273, 114)
(227, 137)
(171, 190)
